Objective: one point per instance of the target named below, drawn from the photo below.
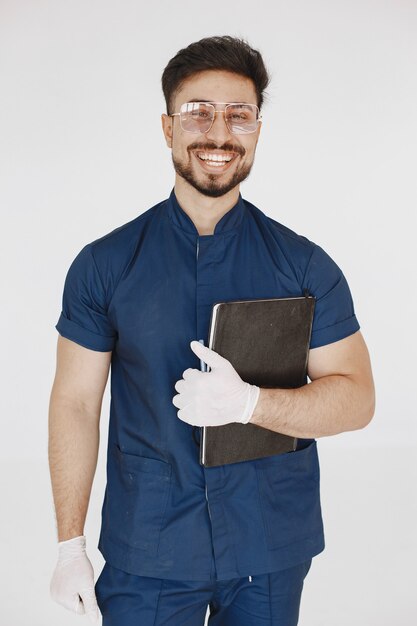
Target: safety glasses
(198, 117)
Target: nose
(218, 131)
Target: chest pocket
(136, 499)
(289, 492)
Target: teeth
(206, 156)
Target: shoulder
(107, 257)
(309, 262)
(296, 248)
(119, 242)
(287, 237)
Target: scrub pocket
(136, 497)
(289, 491)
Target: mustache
(227, 147)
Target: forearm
(326, 406)
(73, 450)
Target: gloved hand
(74, 577)
(214, 398)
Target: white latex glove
(74, 577)
(214, 398)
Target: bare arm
(341, 396)
(73, 443)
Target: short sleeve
(83, 317)
(334, 314)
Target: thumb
(94, 616)
(90, 604)
(209, 356)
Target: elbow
(369, 408)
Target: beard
(210, 184)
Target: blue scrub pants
(266, 600)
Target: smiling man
(213, 143)
(177, 537)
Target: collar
(229, 222)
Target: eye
(198, 114)
(238, 117)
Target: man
(177, 537)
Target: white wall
(82, 152)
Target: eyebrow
(211, 101)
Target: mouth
(213, 161)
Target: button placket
(209, 255)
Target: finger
(191, 373)
(178, 401)
(183, 416)
(89, 603)
(209, 356)
(79, 608)
(180, 385)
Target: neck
(203, 211)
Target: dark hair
(215, 53)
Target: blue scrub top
(145, 291)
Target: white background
(82, 152)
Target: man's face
(212, 180)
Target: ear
(167, 128)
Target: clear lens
(241, 118)
(197, 117)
